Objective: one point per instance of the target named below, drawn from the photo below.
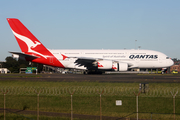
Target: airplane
(88, 60)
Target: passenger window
(167, 57)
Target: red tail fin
(30, 45)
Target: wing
(89, 63)
(99, 63)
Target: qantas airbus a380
(89, 60)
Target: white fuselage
(134, 58)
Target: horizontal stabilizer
(23, 56)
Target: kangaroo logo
(99, 65)
(30, 44)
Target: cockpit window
(167, 57)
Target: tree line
(14, 64)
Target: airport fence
(89, 90)
(83, 102)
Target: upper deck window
(167, 57)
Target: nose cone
(170, 62)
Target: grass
(88, 104)
(21, 83)
(89, 88)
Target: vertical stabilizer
(30, 45)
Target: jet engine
(120, 66)
(107, 65)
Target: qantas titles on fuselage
(117, 60)
(143, 56)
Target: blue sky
(95, 24)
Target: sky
(95, 24)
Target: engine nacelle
(105, 64)
(109, 65)
(120, 66)
(123, 66)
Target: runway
(126, 78)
